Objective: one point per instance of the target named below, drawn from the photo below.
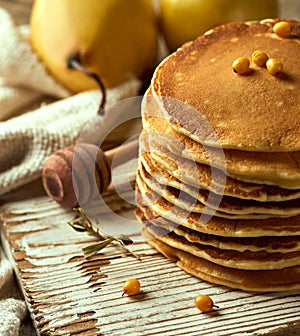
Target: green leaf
(95, 248)
(83, 224)
(125, 239)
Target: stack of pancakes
(218, 182)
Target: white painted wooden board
(68, 294)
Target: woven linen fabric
(13, 310)
(31, 128)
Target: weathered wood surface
(68, 294)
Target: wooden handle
(122, 154)
(73, 176)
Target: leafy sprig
(83, 224)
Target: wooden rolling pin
(75, 175)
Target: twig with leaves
(83, 224)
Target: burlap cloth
(27, 137)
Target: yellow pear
(116, 39)
(184, 20)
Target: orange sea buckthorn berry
(131, 287)
(241, 65)
(282, 29)
(259, 58)
(274, 66)
(204, 303)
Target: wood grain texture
(68, 294)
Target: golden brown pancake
(159, 149)
(160, 208)
(255, 192)
(200, 199)
(189, 204)
(268, 244)
(271, 168)
(248, 280)
(216, 206)
(218, 181)
(247, 260)
(203, 177)
(265, 243)
(199, 93)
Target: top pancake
(204, 99)
(258, 167)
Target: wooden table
(68, 294)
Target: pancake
(247, 260)
(265, 243)
(286, 279)
(158, 150)
(202, 97)
(259, 193)
(289, 184)
(162, 210)
(258, 167)
(268, 244)
(188, 203)
(203, 177)
(181, 196)
(218, 178)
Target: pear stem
(73, 62)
